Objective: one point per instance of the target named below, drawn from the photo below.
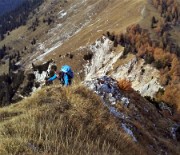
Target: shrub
(158, 64)
(148, 58)
(171, 95)
(142, 71)
(127, 49)
(124, 84)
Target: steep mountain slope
(99, 17)
(126, 52)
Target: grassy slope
(115, 16)
(57, 120)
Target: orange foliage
(124, 84)
(158, 53)
(172, 95)
(175, 70)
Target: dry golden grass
(60, 120)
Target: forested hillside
(9, 5)
(17, 17)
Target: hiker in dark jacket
(65, 75)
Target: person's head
(54, 68)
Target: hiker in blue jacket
(65, 75)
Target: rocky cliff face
(144, 77)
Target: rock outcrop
(105, 60)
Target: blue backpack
(67, 69)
